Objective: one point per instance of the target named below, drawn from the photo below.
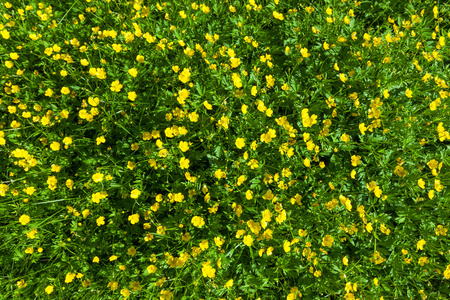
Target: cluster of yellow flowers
(225, 127)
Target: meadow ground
(224, 149)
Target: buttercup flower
(24, 219)
(197, 221)
(116, 86)
(184, 75)
(135, 193)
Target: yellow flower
(345, 261)
(113, 285)
(369, 227)
(441, 230)
(270, 81)
(248, 240)
(49, 289)
(345, 138)
(205, 8)
(327, 241)
(151, 269)
(385, 230)
(140, 59)
(267, 137)
(286, 246)
(377, 191)
(113, 258)
(48, 93)
(133, 72)
(133, 219)
(362, 128)
(193, 116)
(220, 174)
(184, 163)
(30, 190)
(135, 193)
(84, 62)
(182, 96)
(69, 183)
(197, 221)
(15, 124)
(254, 91)
(278, 15)
(447, 272)
(184, 146)
(32, 234)
(55, 146)
(116, 86)
(100, 221)
(132, 96)
(356, 160)
(307, 162)
(9, 64)
(207, 270)
(131, 251)
(69, 277)
(33, 36)
(204, 245)
(97, 177)
(21, 284)
(408, 93)
(219, 241)
(307, 120)
(96, 260)
(229, 284)
(5, 34)
(65, 91)
(343, 77)
(94, 101)
(184, 75)
(24, 219)
(207, 105)
(235, 62)
(186, 237)
(240, 143)
(117, 48)
(304, 52)
(100, 140)
(420, 244)
(309, 9)
(125, 293)
(423, 261)
(336, 67)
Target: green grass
(224, 150)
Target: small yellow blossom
(24, 219)
(134, 219)
(135, 193)
(49, 289)
(197, 221)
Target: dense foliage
(224, 149)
